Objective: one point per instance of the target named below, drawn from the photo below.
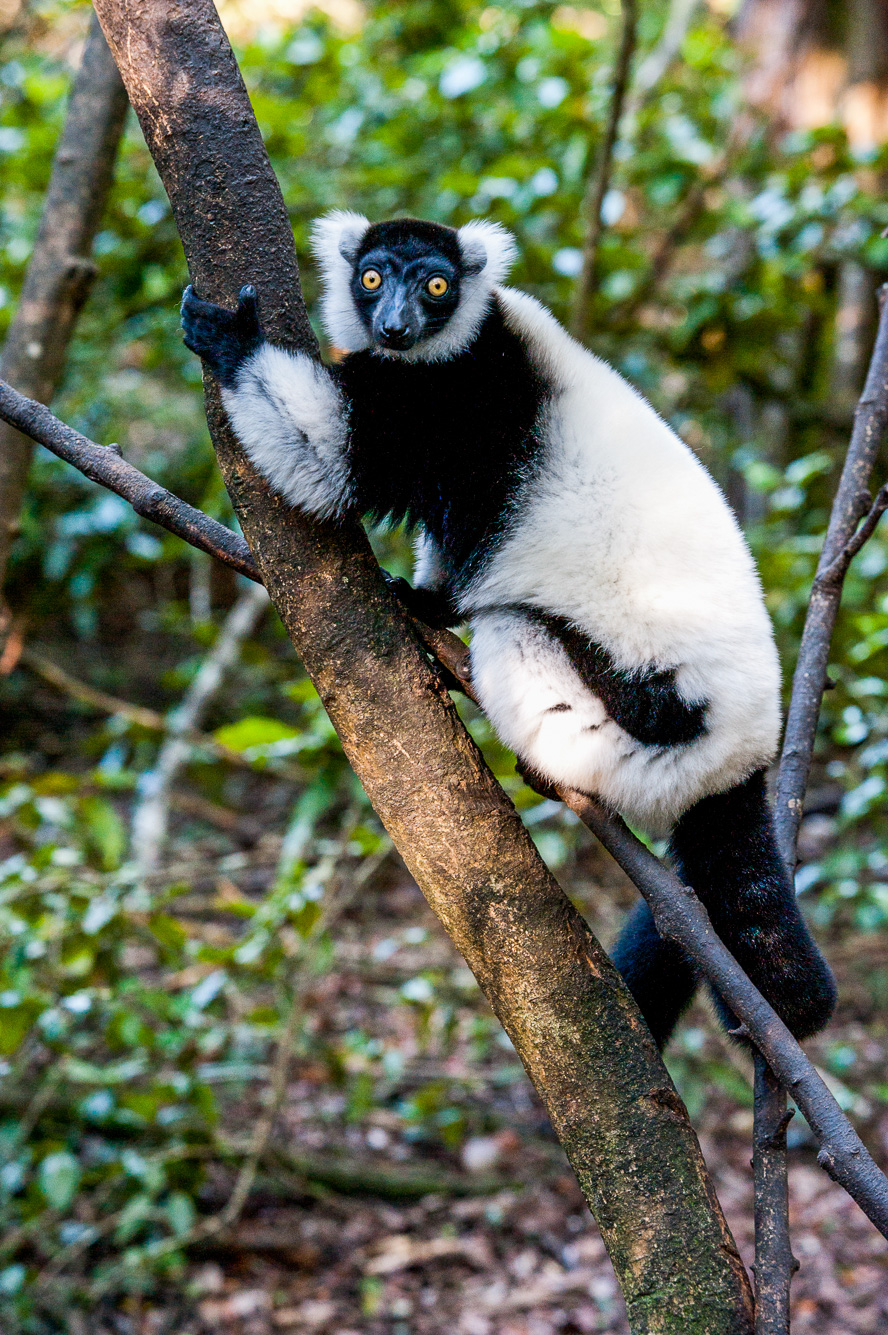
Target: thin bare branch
(843, 540)
(60, 271)
(599, 181)
(655, 64)
(151, 813)
(103, 464)
(150, 719)
(775, 1264)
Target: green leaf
(15, 1024)
(59, 1178)
(133, 1215)
(180, 1212)
(255, 730)
(105, 830)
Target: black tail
(725, 848)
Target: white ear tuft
(335, 240)
(488, 246)
(337, 236)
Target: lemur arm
(286, 408)
(292, 419)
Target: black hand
(223, 339)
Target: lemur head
(407, 288)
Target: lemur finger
(223, 339)
(248, 306)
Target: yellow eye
(371, 279)
(437, 286)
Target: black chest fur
(446, 444)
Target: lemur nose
(392, 330)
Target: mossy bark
(563, 1005)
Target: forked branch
(844, 538)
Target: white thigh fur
(524, 679)
(290, 418)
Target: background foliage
(130, 1032)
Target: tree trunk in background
(816, 62)
(865, 102)
(864, 109)
(60, 271)
(562, 1003)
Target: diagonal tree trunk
(562, 1003)
(60, 272)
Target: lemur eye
(371, 279)
(437, 286)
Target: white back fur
(336, 238)
(621, 531)
(624, 533)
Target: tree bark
(60, 271)
(561, 1001)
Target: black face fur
(403, 257)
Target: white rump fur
(336, 239)
(624, 533)
(290, 418)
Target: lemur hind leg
(660, 976)
(725, 848)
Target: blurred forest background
(247, 1085)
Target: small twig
(843, 540)
(265, 1125)
(105, 466)
(149, 719)
(837, 569)
(655, 64)
(81, 691)
(599, 181)
(692, 206)
(334, 906)
(151, 814)
(774, 1261)
(775, 1264)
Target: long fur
(488, 250)
(290, 417)
(620, 640)
(335, 240)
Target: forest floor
(505, 1245)
(422, 1192)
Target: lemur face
(407, 288)
(405, 282)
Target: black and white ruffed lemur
(620, 643)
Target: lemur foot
(536, 781)
(427, 605)
(222, 339)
